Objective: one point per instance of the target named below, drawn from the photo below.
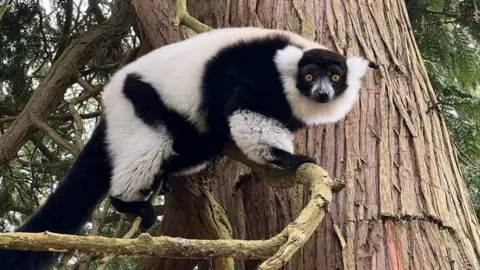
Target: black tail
(71, 204)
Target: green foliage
(447, 42)
(22, 49)
(472, 176)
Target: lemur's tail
(69, 207)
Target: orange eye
(308, 77)
(335, 78)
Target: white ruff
(307, 110)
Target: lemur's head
(321, 85)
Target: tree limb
(77, 119)
(183, 17)
(279, 248)
(16, 208)
(37, 141)
(444, 13)
(59, 164)
(57, 117)
(53, 135)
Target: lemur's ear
(373, 65)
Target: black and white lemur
(172, 111)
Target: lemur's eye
(335, 78)
(308, 77)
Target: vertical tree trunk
(405, 205)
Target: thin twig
(98, 222)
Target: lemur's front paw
(292, 162)
(298, 160)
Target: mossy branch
(277, 249)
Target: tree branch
(37, 141)
(57, 117)
(183, 17)
(59, 164)
(53, 135)
(16, 208)
(444, 13)
(77, 119)
(279, 248)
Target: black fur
(71, 204)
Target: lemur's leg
(137, 155)
(265, 140)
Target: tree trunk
(405, 205)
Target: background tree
(448, 35)
(405, 205)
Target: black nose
(321, 97)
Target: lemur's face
(322, 75)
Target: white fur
(307, 110)
(256, 134)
